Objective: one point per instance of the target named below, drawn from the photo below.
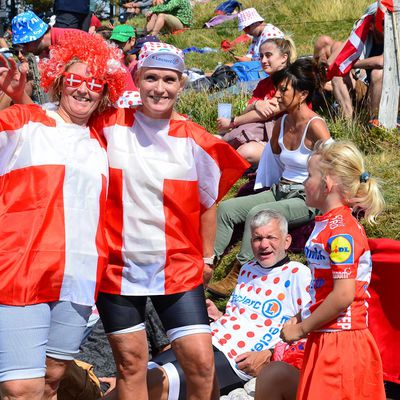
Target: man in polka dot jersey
(270, 290)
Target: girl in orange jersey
(342, 360)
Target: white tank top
(295, 161)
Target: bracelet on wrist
(209, 260)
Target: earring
(299, 105)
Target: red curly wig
(103, 58)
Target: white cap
(161, 55)
(248, 17)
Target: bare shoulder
(318, 130)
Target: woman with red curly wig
(53, 184)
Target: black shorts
(177, 310)
(228, 380)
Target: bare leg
(195, 355)
(375, 92)
(251, 152)
(22, 389)
(55, 370)
(342, 96)
(130, 355)
(157, 384)
(158, 25)
(150, 24)
(277, 381)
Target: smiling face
(77, 103)
(269, 244)
(159, 89)
(272, 60)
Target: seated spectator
(270, 290)
(368, 67)
(170, 16)
(251, 130)
(124, 37)
(244, 336)
(282, 168)
(138, 7)
(252, 23)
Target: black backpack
(223, 77)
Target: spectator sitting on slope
(251, 22)
(170, 16)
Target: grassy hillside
(305, 21)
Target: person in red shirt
(342, 359)
(262, 109)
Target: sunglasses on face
(74, 80)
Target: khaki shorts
(172, 23)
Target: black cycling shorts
(177, 310)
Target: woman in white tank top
(282, 168)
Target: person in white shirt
(270, 289)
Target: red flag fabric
(383, 6)
(226, 45)
(53, 180)
(384, 305)
(352, 49)
(163, 175)
(388, 4)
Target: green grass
(304, 20)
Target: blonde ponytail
(359, 190)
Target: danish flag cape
(163, 175)
(352, 49)
(354, 45)
(384, 305)
(53, 182)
